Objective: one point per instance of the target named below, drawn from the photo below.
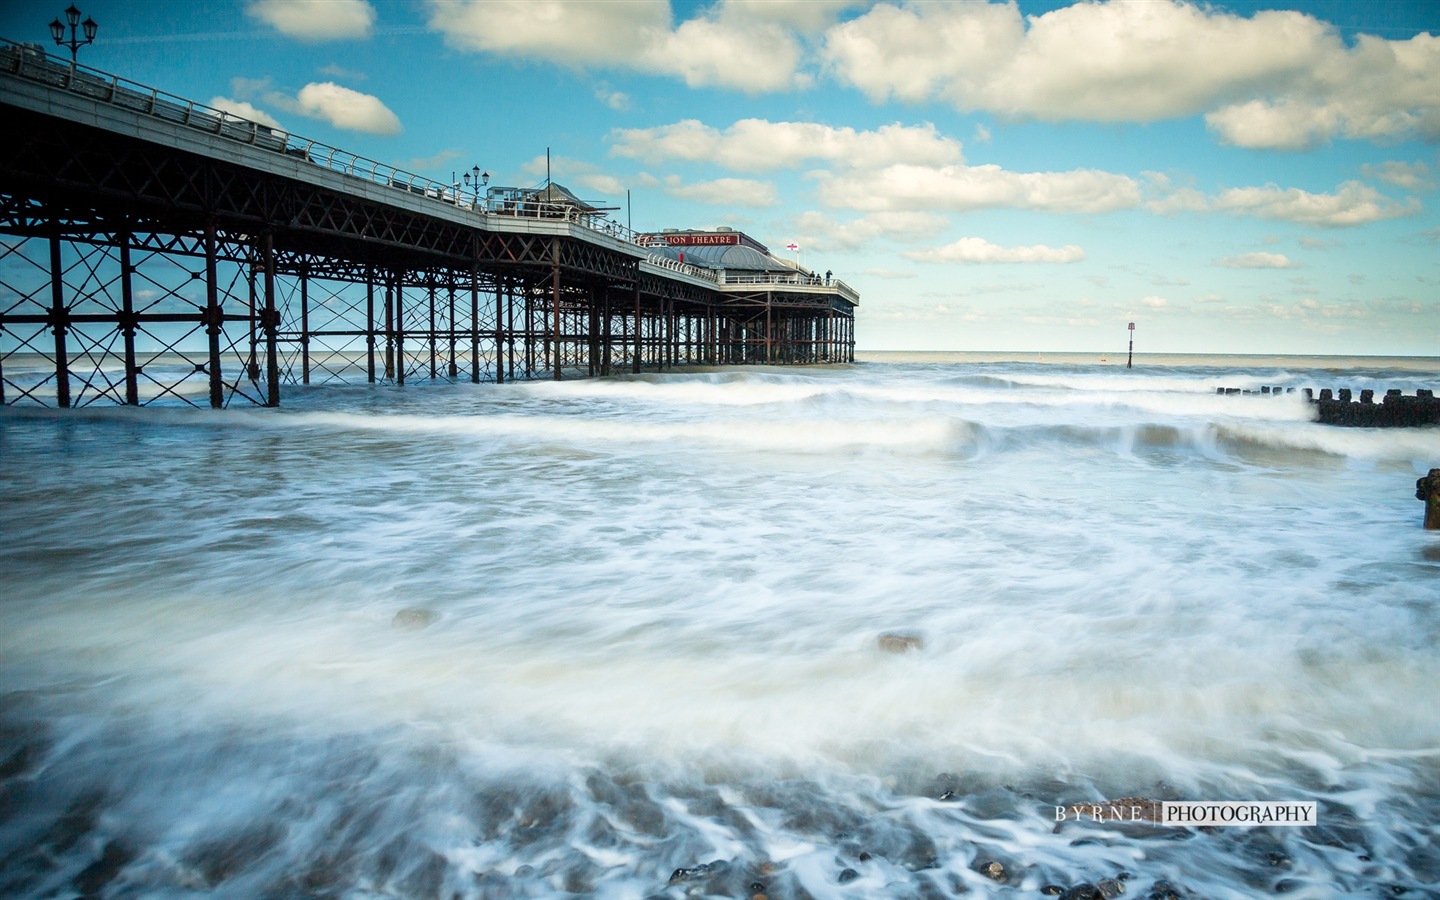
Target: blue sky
(1238, 178)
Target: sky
(1247, 177)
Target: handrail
(693, 271)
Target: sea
(895, 629)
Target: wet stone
(704, 870)
(1164, 890)
(1109, 888)
(992, 870)
(848, 875)
(1083, 891)
(900, 642)
(1051, 890)
(414, 618)
(921, 855)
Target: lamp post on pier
(72, 17)
(476, 181)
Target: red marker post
(1130, 360)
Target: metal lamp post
(72, 16)
(476, 181)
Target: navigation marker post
(1130, 359)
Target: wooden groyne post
(1427, 489)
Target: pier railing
(799, 280)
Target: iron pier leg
(529, 335)
(370, 324)
(635, 357)
(271, 324)
(304, 324)
(453, 368)
(128, 322)
(431, 285)
(475, 330)
(399, 329)
(59, 318)
(389, 326)
(509, 288)
(252, 364)
(499, 331)
(555, 306)
(607, 325)
(592, 332)
(213, 318)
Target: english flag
(792, 247)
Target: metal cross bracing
(114, 315)
(134, 271)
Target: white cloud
(568, 33)
(757, 145)
(343, 108)
(1154, 302)
(1265, 125)
(750, 56)
(1353, 203)
(979, 250)
(805, 15)
(1277, 79)
(724, 192)
(430, 163)
(821, 232)
(316, 20)
(1257, 261)
(1411, 176)
(245, 111)
(1377, 90)
(726, 46)
(616, 100)
(959, 187)
(335, 71)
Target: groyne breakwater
(1342, 406)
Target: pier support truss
(136, 273)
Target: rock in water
(894, 642)
(993, 871)
(414, 618)
(1427, 489)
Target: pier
(154, 249)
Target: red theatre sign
(693, 240)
